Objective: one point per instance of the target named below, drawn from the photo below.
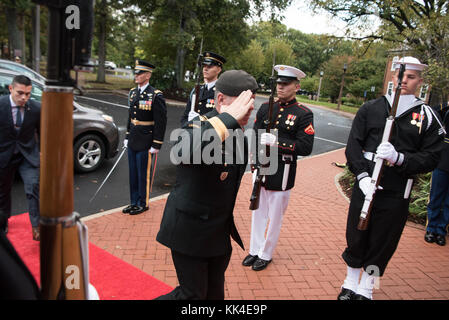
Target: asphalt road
(332, 130)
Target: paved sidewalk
(307, 263)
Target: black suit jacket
(198, 218)
(26, 139)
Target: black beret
(143, 66)
(211, 58)
(234, 82)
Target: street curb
(115, 210)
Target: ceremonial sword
(113, 167)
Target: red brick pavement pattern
(307, 263)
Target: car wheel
(88, 153)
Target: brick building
(423, 92)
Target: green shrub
(419, 196)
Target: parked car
(95, 135)
(22, 69)
(110, 65)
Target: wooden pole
(61, 264)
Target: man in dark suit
(198, 219)
(19, 132)
(212, 66)
(146, 129)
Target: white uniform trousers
(271, 210)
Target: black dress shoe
(129, 208)
(346, 294)
(249, 260)
(360, 297)
(138, 210)
(260, 264)
(440, 240)
(430, 237)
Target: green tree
(15, 16)
(333, 71)
(180, 26)
(420, 25)
(252, 60)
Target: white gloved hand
(387, 152)
(192, 114)
(268, 139)
(365, 185)
(125, 143)
(153, 150)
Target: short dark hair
(21, 79)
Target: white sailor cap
(288, 73)
(411, 63)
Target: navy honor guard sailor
(415, 147)
(147, 121)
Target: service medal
(415, 116)
(223, 176)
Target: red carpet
(113, 278)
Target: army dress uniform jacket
(198, 218)
(421, 147)
(293, 123)
(206, 102)
(147, 119)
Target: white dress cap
(411, 63)
(288, 72)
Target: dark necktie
(18, 118)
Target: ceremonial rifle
(380, 163)
(64, 268)
(195, 97)
(255, 195)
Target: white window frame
(390, 88)
(423, 92)
(395, 59)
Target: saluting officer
(293, 124)
(212, 67)
(198, 221)
(414, 147)
(146, 128)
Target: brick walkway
(307, 263)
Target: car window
(21, 70)
(4, 85)
(36, 92)
(5, 81)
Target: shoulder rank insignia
(309, 130)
